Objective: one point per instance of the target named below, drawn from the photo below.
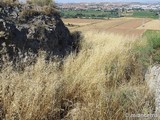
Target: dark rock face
(23, 36)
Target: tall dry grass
(9, 1)
(104, 81)
(41, 2)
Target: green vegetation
(153, 38)
(146, 14)
(149, 48)
(89, 14)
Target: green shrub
(153, 38)
(149, 51)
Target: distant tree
(79, 15)
(123, 9)
(92, 15)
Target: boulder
(152, 78)
(25, 32)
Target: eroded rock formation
(24, 32)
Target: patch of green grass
(149, 51)
(153, 38)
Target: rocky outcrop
(24, 32)
(152, 78)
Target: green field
(108, 14)
(89, 14)
(146, 14)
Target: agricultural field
(152, 25)
(91, 13)
(77, 22)
(145, 14)
(123, 26)
(103, 14)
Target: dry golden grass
(9, 1)
(81, 22)
(102, 82)
(73, 23)
(41, 2)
